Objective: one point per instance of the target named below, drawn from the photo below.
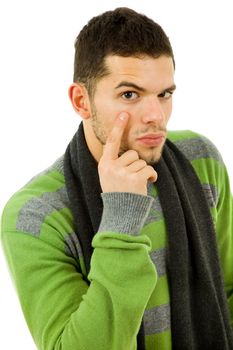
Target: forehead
(155, 73)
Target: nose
(153, 112)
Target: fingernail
(123, 116)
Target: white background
(36, 67)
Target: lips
(155, 139)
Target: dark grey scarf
(199, 312)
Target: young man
(126, 242)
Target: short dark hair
(122, 32)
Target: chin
(152, 161)
(151, 157)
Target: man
(126, 242)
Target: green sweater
(128, 278)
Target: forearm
(61, 310)
(122, 278)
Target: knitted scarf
(199, 312)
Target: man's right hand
(126, 173)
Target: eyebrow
(129, 84)
(140, 88)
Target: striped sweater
(128, 278)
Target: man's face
(143, 88)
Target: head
(116, 47)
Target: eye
(166, 94)
(129, 95)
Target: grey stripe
(197, 148)
(58, 165)
(124, 212)
(73, 247)
(211, 193)
(157, 320)
(159, 259)
(156, 212)
(33, 214)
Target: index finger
(113, 143)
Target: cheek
(107, 111)
(168, 110)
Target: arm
(62, 312)
(224, 229)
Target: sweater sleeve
(61, 310)
(224, 229)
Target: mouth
(152, 140)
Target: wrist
(124, 212)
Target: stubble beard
(152, 155)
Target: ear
(79, 98)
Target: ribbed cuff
(124, 212)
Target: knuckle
(151, 168)
(143, 162)
(133, 154)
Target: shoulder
(195, 146)
(42, 198)
(206, 161)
